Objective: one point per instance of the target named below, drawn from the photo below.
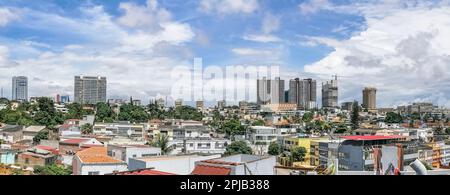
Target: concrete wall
(177, 165)
(259, 167)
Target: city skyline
(388, 45)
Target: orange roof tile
(96, 155)
(210, 170)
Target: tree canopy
(238, 147)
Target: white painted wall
(177, 165)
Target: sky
(400, 47)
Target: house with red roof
(95, 161)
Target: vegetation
(42, 135)
(104, 113)
(392, 117)
(238, 147)
(355, 116)
(87, 129)
(308, 117)
(232, 127)
(162, 141)
(274, 149)
(53, 170)
(298, 154)
(132, 113)
(259, 123)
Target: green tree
(355, 116)
(87, 129)
(392, 117)
(259, 123)
(41, 135)
(415, 116)
(75, 111)
(46, 113)
(447, 131)
(232, 127)
(53, 170)
(17, 172)
(298, 154)
(162, 141)
(104, 113)
(308, 117)
(238, 147)
(132, 113)
(274, 149)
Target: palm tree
(162, 141)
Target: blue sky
(52, 40)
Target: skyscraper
(270, 91)
(330, 94)
(89, 89)
(20, 88)
(303, 93)
(370, 98)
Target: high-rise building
(89, 89)
(20, 88)
(178, 103)
(65, 99)
(270, 91)
(221, 104)
(200, 104)
(370, 98)
(303, 93)
(330, 94)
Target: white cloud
(312, 6)
(6, 16)
(229, 6)
(251, 52)
(262, 38)
(270, 23)
(136, 58)
(405, 53)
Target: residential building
(36, 157)
(356, 152)
(89, 89)
(95, 161)
(180, 165)
(330, 94)
(20, 88)
(348, 106)
(178, 103)
(200, 145)
(73, 145)
(279, 107)
(261, 137)
(370, 98)
(123, 129)
(240, 164)
(305, 142)
(125, 152)
(30, 132)
(303, 93)
(11, 133)
(221, 104)
(200, 104)
(270, 91)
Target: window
(134, 155)
(27, 161)
(94, 173)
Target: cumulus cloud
(137, 57)
(229, 6)
(262, 38)
(6, 16)
(405, 53)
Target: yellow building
(302, 142)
